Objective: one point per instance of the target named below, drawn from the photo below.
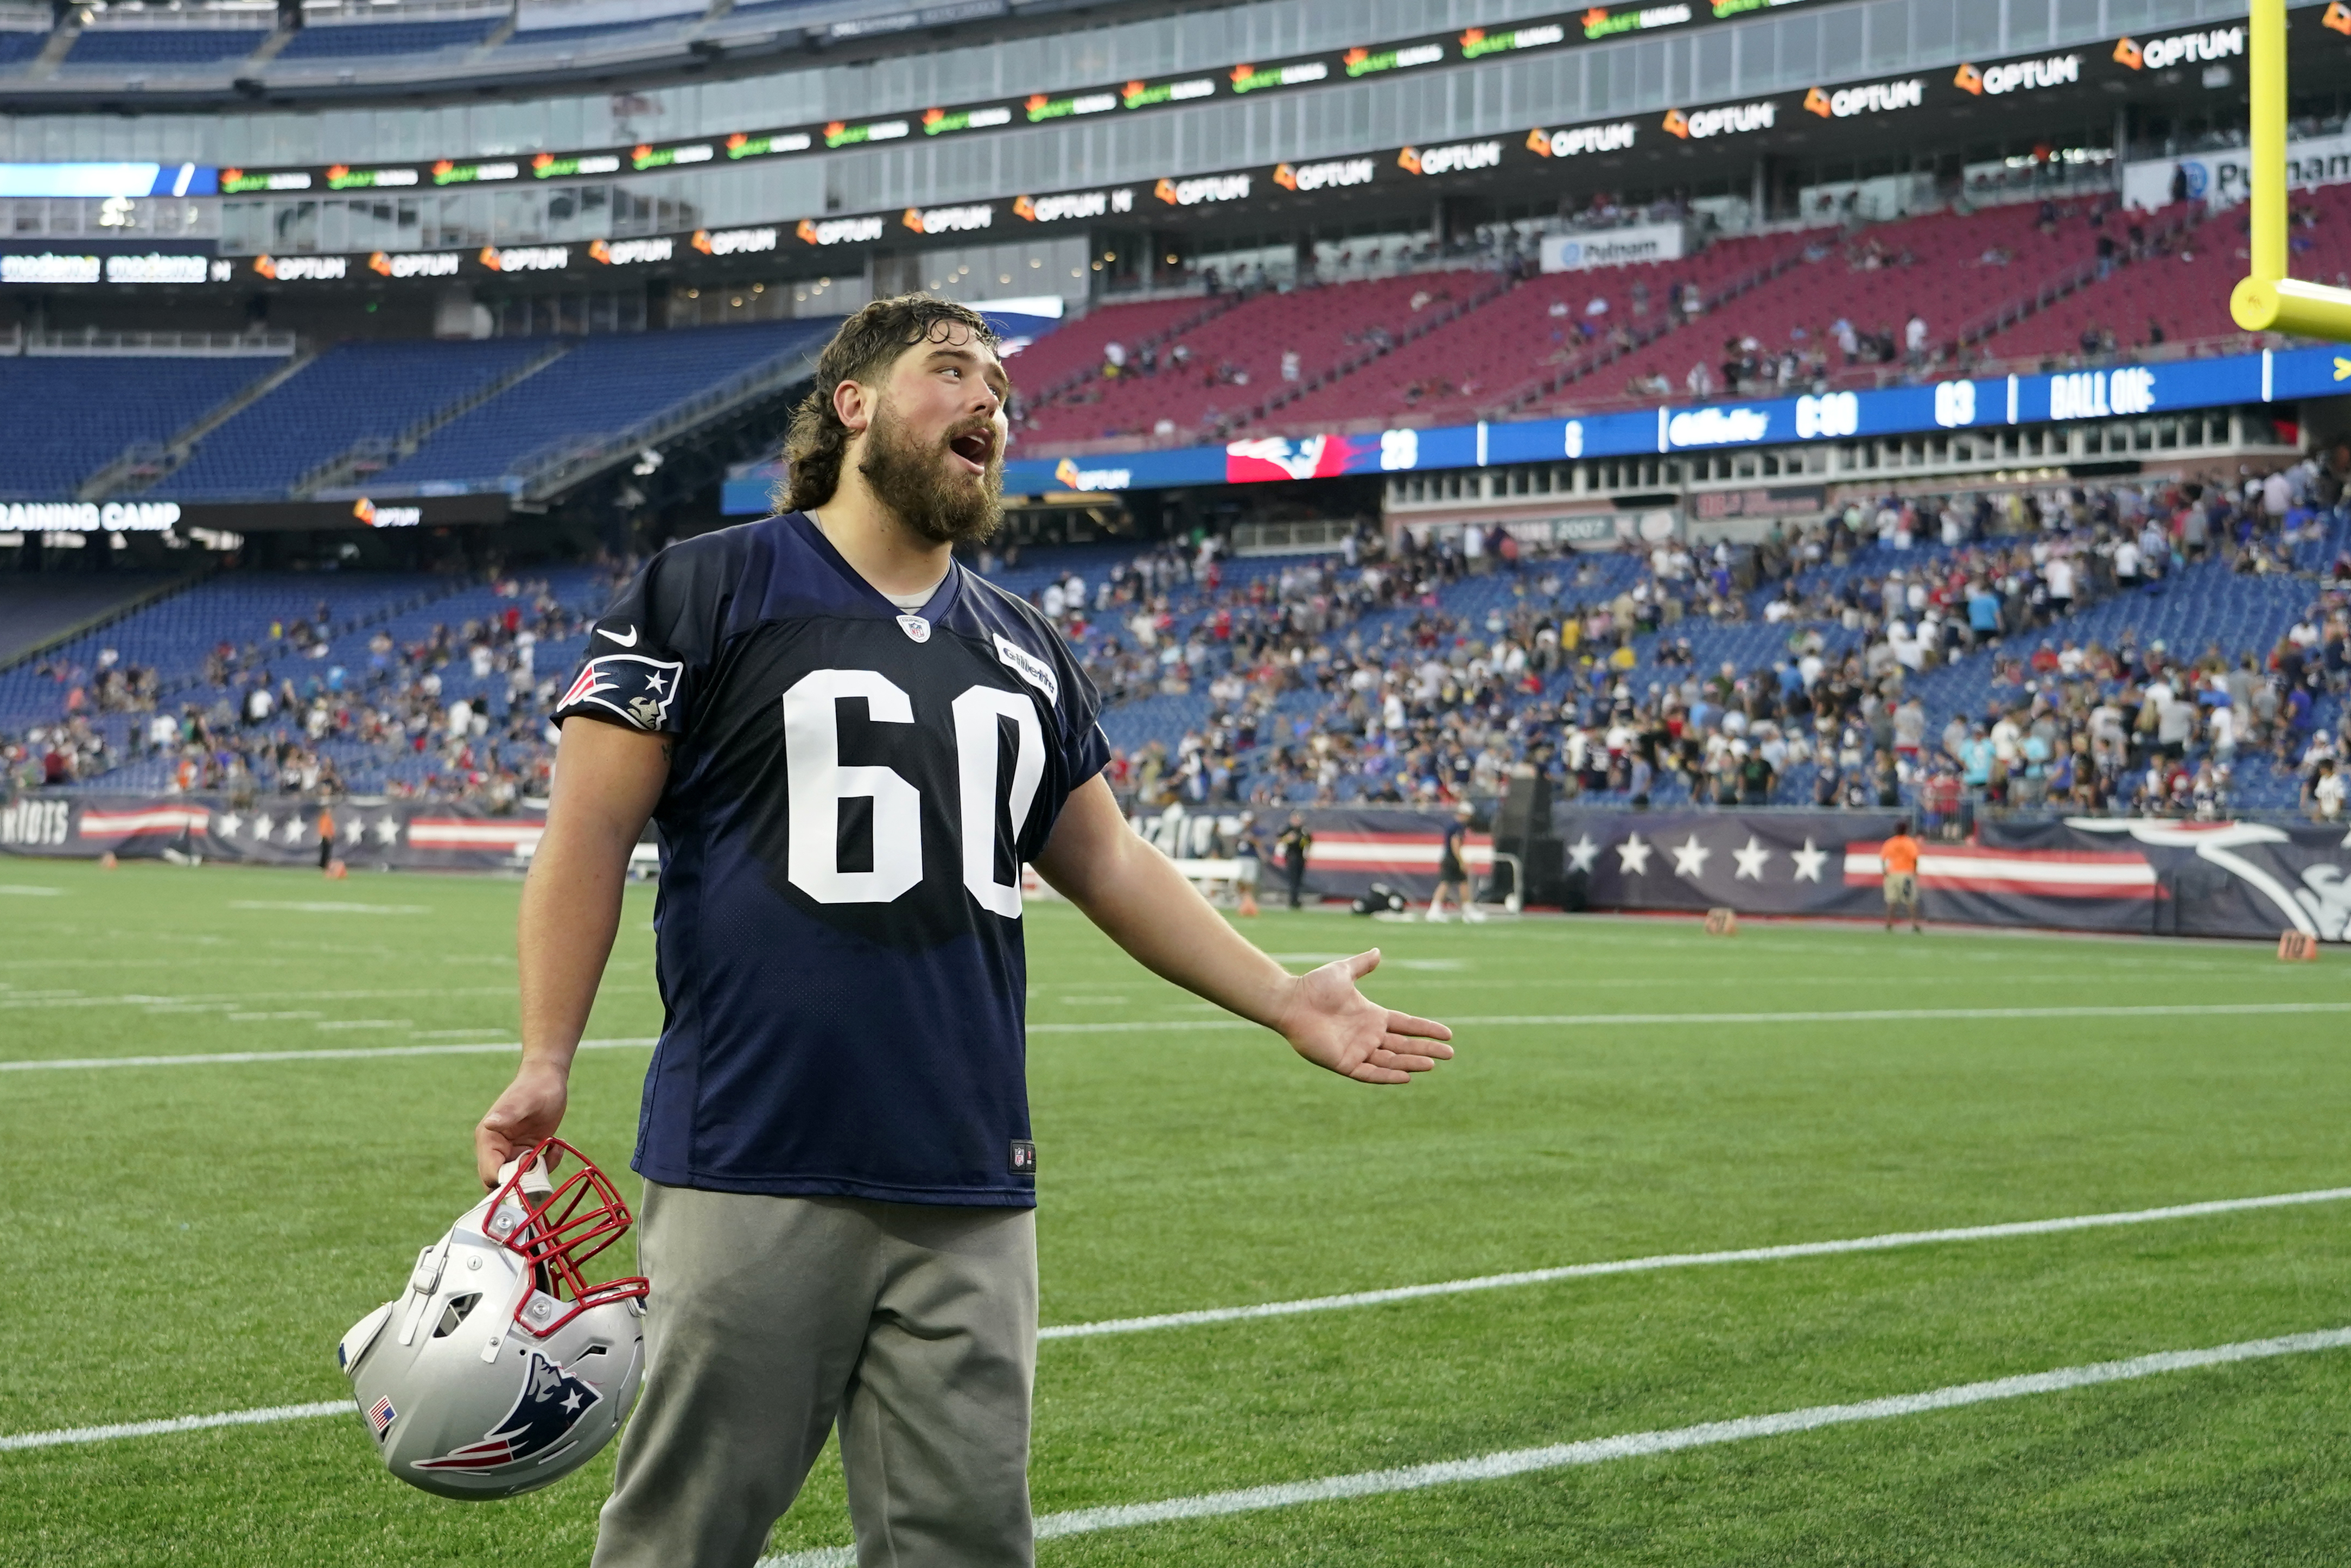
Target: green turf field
(194, 1239)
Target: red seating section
(1956, 271)
(1323, 326)
(1076, 348)
(1491, 356)
(2186, 287)
(1946, 279)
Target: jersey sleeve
(649, 654)
(1077, 714)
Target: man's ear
(853, 404)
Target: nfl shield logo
(381, 1416)
(915, 627)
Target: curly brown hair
(866, 346)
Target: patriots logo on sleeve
(551, 1402)
(641, 690)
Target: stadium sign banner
(398, 835)
(2143, 875)
(2223, 178)
(1267, 189)
(358, 512)
(1612, 248)
(1117, 100)
(2120, 391)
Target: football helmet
(500, 1369)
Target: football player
(851, 744)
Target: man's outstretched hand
(1332, 1024)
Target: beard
(915, 480)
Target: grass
(189, 1239)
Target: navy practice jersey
(851, 796)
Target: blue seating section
(162, 46)
(19, 47)
(536, 37)
(351, 392)
(2201, 606)
(69, 417)
(386, 38)
(602, 387)
(175, 636)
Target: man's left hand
(1332, 1024)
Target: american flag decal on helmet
(381, 1416)
(638, 689)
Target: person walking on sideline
(1294, 842)
(1247, 864)
(1450, 872)
(1899, 857)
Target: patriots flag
(551, 1402)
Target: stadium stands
(1414, 678)
(2179, 286)
(71, 416)
(603, 387)
(323, 42)
(34, 609)
(114, 47)
(1819, 305)
(1075, 351)
(1270, 344)
(1499, 356)
(350, 394)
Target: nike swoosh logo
(628, 642)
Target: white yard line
(1885, 1243)
(314, 907)
(1628, 1446)
(355, 1053)
(247, 998)
(1278, 1309)
(261, 1417)
(1866, 1015)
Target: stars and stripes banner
(2156, 877)
(391, 835)
(2083, 873)
(2080, 873)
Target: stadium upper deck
(1097, 155)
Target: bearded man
(851, 744)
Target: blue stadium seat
(69, 417)
(602, 387)
(162, 46)
(351, 392)
(320, 42)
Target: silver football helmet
(501, 1369)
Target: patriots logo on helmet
(551, 1402)
(638, 689)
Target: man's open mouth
(975, 447)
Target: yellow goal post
(2269, 301)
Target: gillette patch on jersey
(1028, 667)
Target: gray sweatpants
(913, 1327)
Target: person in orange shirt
(1899, 857)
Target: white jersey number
(817, 784)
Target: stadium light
(2269, 301)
